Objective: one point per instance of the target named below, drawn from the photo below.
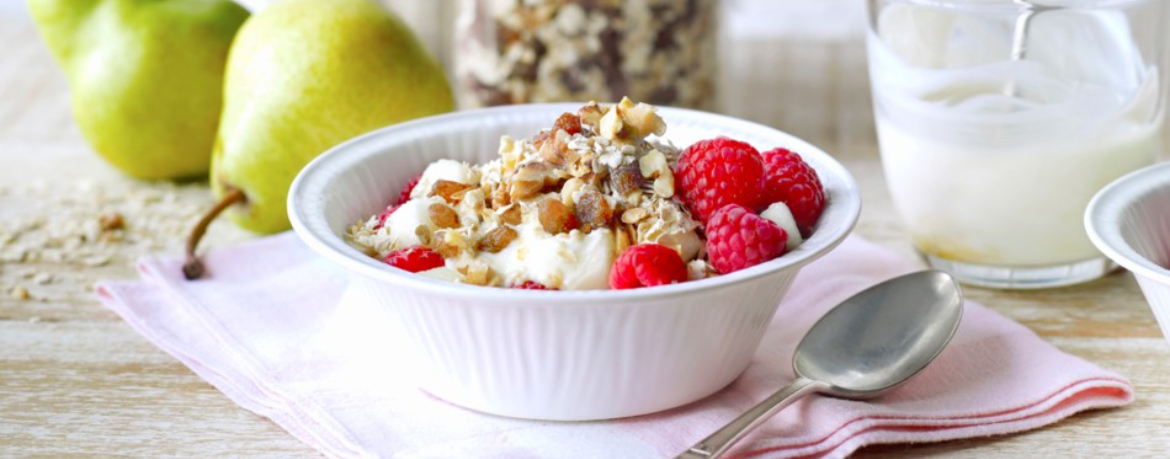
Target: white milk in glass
(992, 160)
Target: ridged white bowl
(1129, 221)
(557, 355)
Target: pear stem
(193, 266)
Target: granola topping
(659, 51)
(556, 209)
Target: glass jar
(999, 120)
(518, 51)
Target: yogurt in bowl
(557, 355)
(599, 200)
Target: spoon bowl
(863, 347)
(881, 336)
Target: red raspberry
(717, 172)
(414, 259)
(738, 238)
(386, 214)
(790, 180)
(531, 285)
(647, 265)
(404, 195)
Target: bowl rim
(1103, 217)
(308, 220)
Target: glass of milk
(999, 119)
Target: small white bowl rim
(841, 214)
(1103, 218)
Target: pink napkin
(273, 328)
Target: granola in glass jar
(518, 51)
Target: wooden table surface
(77, 381)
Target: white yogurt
(779, 214)
(444, 169)
(405, 223)
(567, 261)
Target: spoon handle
(717, 443)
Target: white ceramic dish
(557, 355)
(1129, 221)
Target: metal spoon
(1028, 11)
(864, 346)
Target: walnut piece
(556, 150)
(511, 215)
(640, 120)
(653, 165)
(449, 190)
(529, 179)
(610, 126)
(450, 244)
(590, 115)
(476, 273)
(571, 186)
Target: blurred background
(796, 65)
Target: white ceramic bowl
(1129, 221)
(557, 355)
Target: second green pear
(145, 77)
(303, 76)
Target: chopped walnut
(640, 120)
(610, 126)
(664, 186)
(501, 198)
(530, 179)
(471, 208)
(476, 273)
(496, 240)
(590, 115)
(449, 244)
(526, 189)
(511, 215)
(569, 188)
(449, 190)
(653, 165)
(556, 151)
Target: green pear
(145, 76)
(303, 76)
